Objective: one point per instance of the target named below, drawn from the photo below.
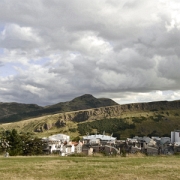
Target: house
(87, 150)
(99, 144)
(110, 150)
(55, 142)
(78, 147)
(152, 151)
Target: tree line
(113, 125)
(20, 143)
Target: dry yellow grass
(114, 168)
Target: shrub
(78, 155)
(154, 110)
(72, 130)
(123, 153)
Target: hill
(86, 101)
(14, 108)
(142, 119)
(13, 112)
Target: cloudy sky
(54, 50)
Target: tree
(15, 143)
(4, 144)
(33, 147)
(77, 139)
(20, 144)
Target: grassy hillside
(13, 112)
(14, 108)
(127, 124)
(32, 126)
(140, 123)
(86, 101)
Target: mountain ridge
(12, 112)
(142, 119)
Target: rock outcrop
(116, 111)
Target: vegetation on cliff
(111, 126)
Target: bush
(73, 130)
(76, 139)
(123, 153)
(176, 114)
(138, 120)
(78, 155)
(154, 110)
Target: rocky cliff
(92, 114)
(60, 120)
(116, 111)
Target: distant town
(108, 145)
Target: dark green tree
(4, 144)
(33, 147)
(77, 138)
(15, 143)
(20, 144)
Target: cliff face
(116, 111)
(59, 120)
(77, 116)
(92, 114)
(151, 106)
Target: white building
(60, 137)
(175, 137)
(98, 138)
(56, 142)
(67, 149)
(78, 147)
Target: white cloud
(16, 37)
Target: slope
(142, 119)
(13, 112)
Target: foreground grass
(52, 168)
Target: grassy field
(113, 168)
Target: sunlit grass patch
(56, 167)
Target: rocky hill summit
(12, 112)
(86, 101)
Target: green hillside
(13, 112)
(86, 101)
(138, 123)
(15, 108)
(154, 119)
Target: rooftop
(99, 136)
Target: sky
(53, 51)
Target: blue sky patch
(1, 51)
(41, 61)
(8, 69)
